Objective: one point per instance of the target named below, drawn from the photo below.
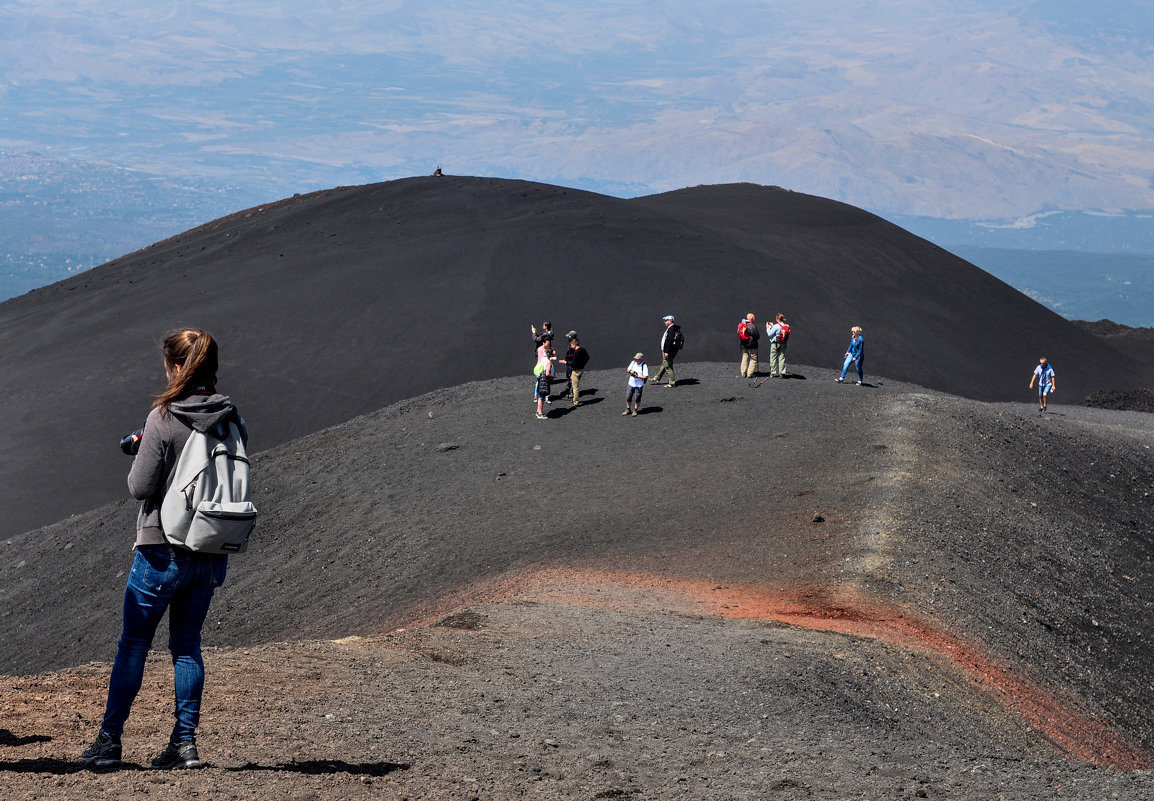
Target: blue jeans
(848, 361)
(183, 583)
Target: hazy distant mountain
(976, 110)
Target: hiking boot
(634, 412)
(177, 756)
(625, 413)
(103, 753)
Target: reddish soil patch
(1075, 731)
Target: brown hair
(194, 351)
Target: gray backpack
(208, 506)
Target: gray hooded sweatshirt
(160, 446)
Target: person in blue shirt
(855, 353)
(1044, 372)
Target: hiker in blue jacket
(855, 353)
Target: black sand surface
(337, 303)
(801, 590)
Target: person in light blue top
(1044, 372)
(855, 353)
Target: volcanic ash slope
(334, 304)
(804, 582)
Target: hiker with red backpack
(747, 337)
(778, 336)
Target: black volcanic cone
(340, 302)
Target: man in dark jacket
(576, 357)
(671, 343)
(747, 337)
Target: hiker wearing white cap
(638, 372)
(672, 341)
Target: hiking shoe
(103, 753)
(576, 403)
(670, 386)
(634, 412)
(177, 756)
(859, 383)
(839, 380)
(540, 416)
(625, 413)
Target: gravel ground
(801, 590)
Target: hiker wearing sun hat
(671, 343)
(638, 371)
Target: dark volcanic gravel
(450, 599)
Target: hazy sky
(951, 109)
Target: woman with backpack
(164, 577)
(778, 336)
(854, 353)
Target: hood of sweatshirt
(202, 412)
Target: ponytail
(194, 352)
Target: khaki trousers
(748, 363)
(575, 383)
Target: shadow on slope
(336, 303)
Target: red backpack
(783, 337)
(741, 330)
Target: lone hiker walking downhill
(1044, 372)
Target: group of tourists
(748, 338)
(576, 358)
(672, 341)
